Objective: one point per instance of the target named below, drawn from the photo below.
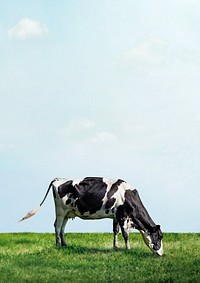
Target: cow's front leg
(125, 233)
(115, 232)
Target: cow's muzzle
(160, 252)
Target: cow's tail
(34, 211)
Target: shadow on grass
(78, 249)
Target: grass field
(30, 257)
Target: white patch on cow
(109, 184)
(127, 187)
(64, 199)
(160, 251)
(119, 195)
(59, 181)
(59, 203)
(147, 239)
(76, 182)
(128, 224)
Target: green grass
(30, 257)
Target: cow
(98, 198)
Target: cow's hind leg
(58, 225)
(115, 232)
(62, 232)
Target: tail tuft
(33, 212)
(30, 214)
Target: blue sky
(100, 88)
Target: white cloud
(78, 126)
(197, 117)
(149, 52)
(5, 147)
(104, 137)
(81, 123)
(27, 28)
(85, 131)
(159, 53)
(134, 128)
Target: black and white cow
(97, 198)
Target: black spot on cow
(92, 180)
(90, 193)
(110, 202)
(107, 211)
(68, 201)
(65, 188)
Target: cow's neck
(143, 222)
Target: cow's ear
(155, 228)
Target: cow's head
(153, 239)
